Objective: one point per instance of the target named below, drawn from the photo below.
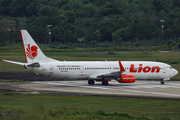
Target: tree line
(90, 20)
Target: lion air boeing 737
(104, 71)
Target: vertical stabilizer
(32, 51)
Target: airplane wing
(101, 76)
(110, 75)
(95, 75)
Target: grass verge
(23, 106)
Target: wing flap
(104, 75)
(94, 76)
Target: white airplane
(104, 71)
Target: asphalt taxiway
(141, 89)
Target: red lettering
(155, 68)
(146, 69)
(140, 68)
(132, 68)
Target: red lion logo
(31, 51)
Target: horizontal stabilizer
(19, 63)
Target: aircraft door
(164, 70)
(111, 69)
(82, 69)
(51, 69)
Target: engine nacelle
(128, 78)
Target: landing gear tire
(162, 82)
(104, 82)
(91, 82)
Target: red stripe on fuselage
(23, 46)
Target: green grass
(57, 48)
(20, 106)
(4, 80)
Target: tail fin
(32, 51)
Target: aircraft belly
(78, 76)
(146, 76)
(41, 70)
(156, 76)
(139, 76)
(70, 75)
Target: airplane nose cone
(175, 72)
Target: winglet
(121, 67)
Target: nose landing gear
(162, 82)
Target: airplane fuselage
(84, 70)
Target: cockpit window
(170, 67)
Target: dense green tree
(5, 7)
(121, 34)
(32, 9)
(18, 7)
(92, 20)
(89, 10)
(4, 36)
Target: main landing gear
(91, 82)
(104, 82)
(162, 82)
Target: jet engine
(128, 78)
